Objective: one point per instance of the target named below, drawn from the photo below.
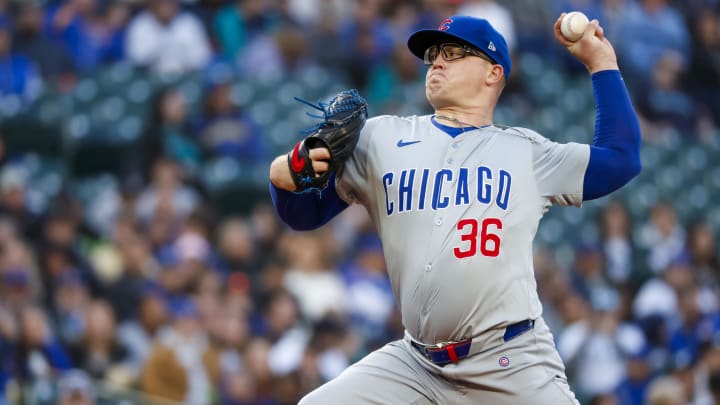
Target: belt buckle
(440, 346)
(448, 347)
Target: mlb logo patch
(504, 361)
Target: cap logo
(445, 25)
(491, 46)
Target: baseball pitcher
(456, 199)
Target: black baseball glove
(343, 118)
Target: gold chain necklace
(464, 124)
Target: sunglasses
(451, 52)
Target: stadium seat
(24, 133)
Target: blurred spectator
(403, 16)
(594, 348)
(659, 295)
(38, 353)
(256, 356)
(370, 296)
(392, 86)
(281, 341)
(60, 251)
(330, 348)
(649, 29)
(554, 290)
(166, 199)
(690, 330)
(168, 133)
(633, 389)
(230, 333)
(182, 366)
(225, 130)
(139, 266)
(138, 334)
(318, 289)
(666, 391)
(615, 228)
(75, 387)
(707, 382)
(240, 23)
(368, 41)
(71, 300)
(18, 74)
(324, 36)
(167, 40)
(662, 100)
(498, 15)
(99, 352)
(194, 250)
(280, 313)
(310, 13)
(265, 230)
(611, 17)
(704, 72)
(236, 246)
(714, 385)
(662, 236)
(14, 190)
(293, 51)
(588, 275)
(704, 258)
(47, 51)
(93, 36)
(16, 288)
(20, 284)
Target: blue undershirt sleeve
(615, 150)
(306, 211)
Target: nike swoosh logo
(297, 163)
(400, 143)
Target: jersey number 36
(489, 242)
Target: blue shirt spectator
(648, 29)
(225, 130)
(47, 51)
(91, 38)
(18, 75)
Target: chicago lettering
(420, 189)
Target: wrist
(602, 66)
(280, 174)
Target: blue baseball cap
(476, 32)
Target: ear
(495, 74)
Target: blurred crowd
(156, 295)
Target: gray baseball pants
(524, 370)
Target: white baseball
(573, 25)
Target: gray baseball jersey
(457, 217)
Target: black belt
(445, 353)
